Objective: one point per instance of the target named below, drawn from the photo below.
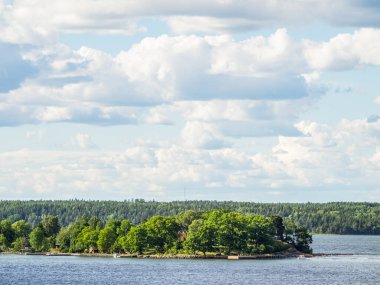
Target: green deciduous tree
(107, 238)
(201, 236)
(302, 240)
(136, 240)
(95, 223)
(87, 238)
(184, 219)
(7, 231)
(232, 232)
(3, 243)
(50, 225)
(260, 233)
(124, 228)
(279, 227)
(74, 231)
(63, 238)
(162, 233)
(20, 244)
(21, 228)
(37, 239)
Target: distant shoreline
(343, 218)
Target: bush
(279, 246)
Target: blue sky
(231, 100)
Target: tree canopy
(215, 231)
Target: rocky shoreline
(183, 256)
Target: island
(189, 234)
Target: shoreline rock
(185, 256)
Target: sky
(265, 101)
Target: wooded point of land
(217, 231)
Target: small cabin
(26, 249)
(182, 235)
(93, 250)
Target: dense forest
(336, 217)
(219, 232)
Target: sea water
(361, 268)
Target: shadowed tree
(279, 226)
(50, 225)
(7, 231)
(302, 240)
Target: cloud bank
(170, 72)
(344, 156)
(25, 21)
(224, 105)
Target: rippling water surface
(355, 269)
(354, 244)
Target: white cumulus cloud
(345, 51)
(342, 157)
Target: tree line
(331, 218)
(189, 232)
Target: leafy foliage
(162, 232)
(218, 231)
(107, 238)
(136, 240)
(201, 237)
(37, 239)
